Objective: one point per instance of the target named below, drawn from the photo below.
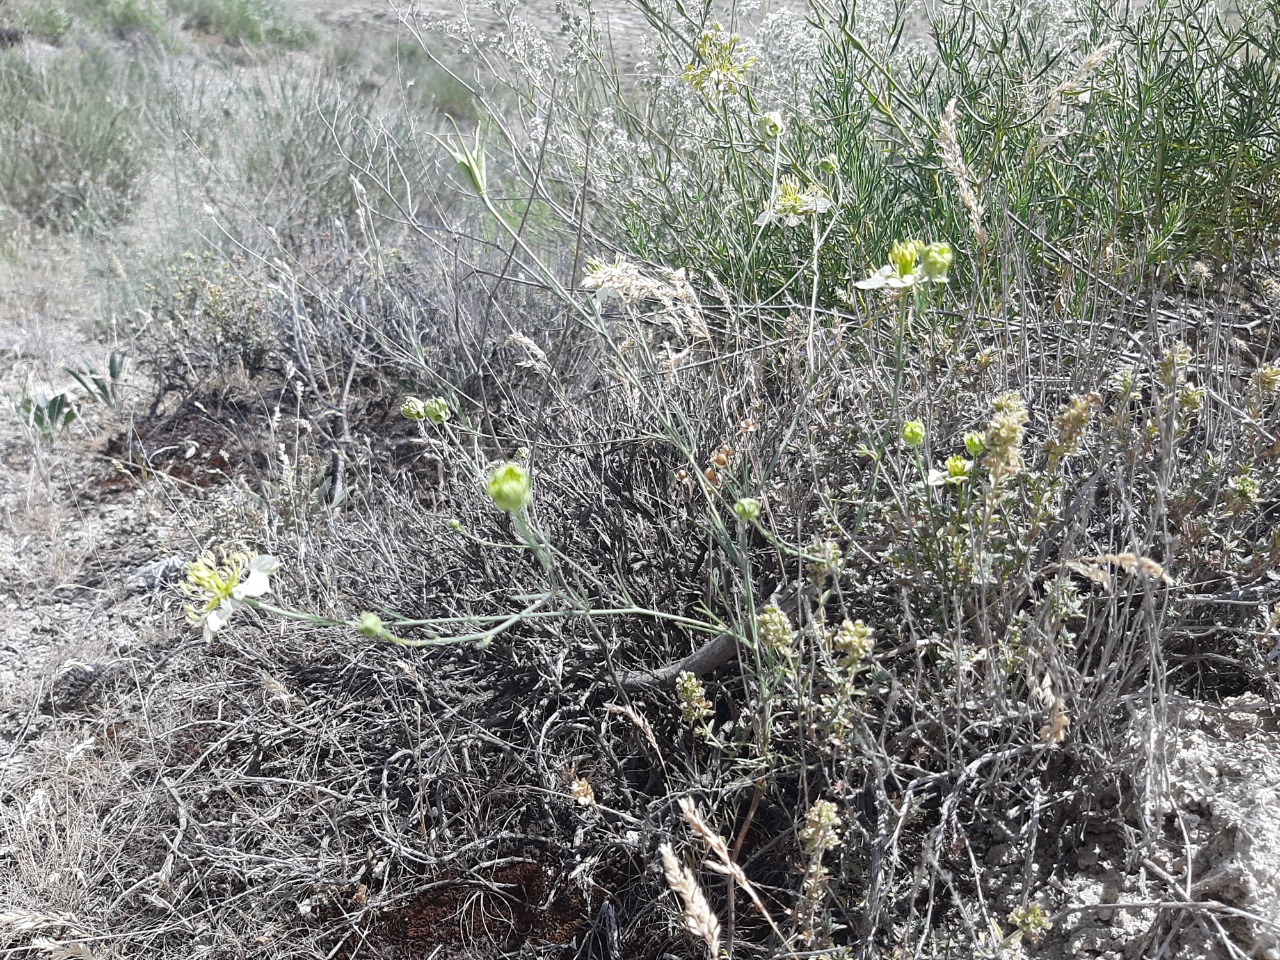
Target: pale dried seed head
(1096, 58)
(953, 160)
(698, 915)
(535, 357)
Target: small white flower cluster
(790, 55)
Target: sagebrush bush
(1019, 551)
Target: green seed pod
(370, 625)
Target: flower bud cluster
(821, 830)
(853, 642)
(774, 629)
(435, 409)
(692, 697)
(1069, 426)
(1004, 437)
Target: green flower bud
(828, 164)
(905, 258)
(413, 409)
(826, 560)
(747, 509)
(370, 625)
(510, 488)
(936, 260)
(770, 125)
(975, 441)
(913, 433)
(821, 831)
(436, 409)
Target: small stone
(157, 573)
(1091, 938)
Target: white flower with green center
(792, 206)
(771, 125)
(910, 263)
(218, 590)
(956, 472)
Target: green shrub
(54, 21)
(49, 21)
(123, 16)
(241, 22)
(937, 469)
(71, 148)
(1129, 140)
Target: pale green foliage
(242, 21)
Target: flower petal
(264, 562)
(257, 582)
(218, 617)
(254, 585)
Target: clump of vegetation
(241, 22)
(72, 149)
(57, 20)
(996, 123)
(736, 492)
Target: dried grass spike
(724, 863)
(535, 357)
(641, 724)
(1130, 563)
(953, 160)
(698, 915)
